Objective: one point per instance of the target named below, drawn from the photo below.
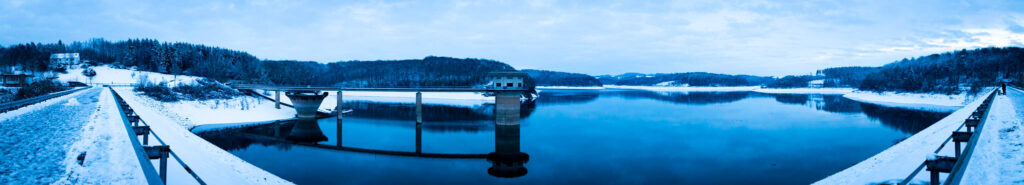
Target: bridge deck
(327, 88)
(997, 158)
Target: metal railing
(957, 164)
(4, 107)
(135, 127)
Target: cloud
(597, 37)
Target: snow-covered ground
(212, 164)
(108, 75)
(240, 109)
(570, 87)
(681, 88)
(998, 157)
(109, 157)
(898, 161)
(40, 143)
(459, 99)
(805, 90)
(919, 101)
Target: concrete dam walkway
(997, 155)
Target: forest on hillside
(555, 78)
(688, 79)
(230, 65)
(950, 72)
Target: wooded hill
(555, 78)
(949, 72)
(691, 79)
(229, 65)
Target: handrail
(4, 107)
(961, 161)
(151, 175)
(961, 164)
(147, 167)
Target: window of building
(519, 84)
(508, 84)
(497, 84)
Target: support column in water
(306, 103)
(507, 160)
(277, 99)
(340, 111)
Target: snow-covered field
(570, 87)
(998, 157)
(930, 102)
(240, 109)
(805, 90)
(211, 163)
(108, 75)
(898, 161)
(917, 101)
(680, 88)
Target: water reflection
(694, 98)
(904, 120)
(581, 137)
(507, 160)
(907, 121)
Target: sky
(771, 38)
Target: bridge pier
(507, 160)
(506, 111)
(277, 99)
(306, 103)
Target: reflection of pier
(507, 87)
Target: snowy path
(35, 140)
(212, 164)
(900, 160)
(999, 155)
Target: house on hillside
(816, 83)
(62, 60)
(15, 80)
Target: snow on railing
(29, 101)
(955, 165)
(135, 127)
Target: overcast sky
(593, 37)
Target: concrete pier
(506, 111)
(507, 160)
(306, 103)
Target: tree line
(237, 66)
(555, 78)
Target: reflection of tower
(507, 160)
(307, 131)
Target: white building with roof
(64, 59)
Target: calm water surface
(583, 137)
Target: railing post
(159, 152)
